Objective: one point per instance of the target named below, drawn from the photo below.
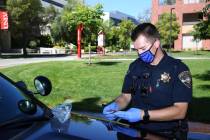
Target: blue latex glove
(110, 116)
(110, 109)
(132, 115)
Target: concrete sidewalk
(19, 61)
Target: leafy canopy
(163, 26)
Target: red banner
(3, 20)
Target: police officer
(158, 87)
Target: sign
(3, 20)
(101, 39)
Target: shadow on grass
(176, 51)
(199, 110)
(197, 53)
(88, 104)
(106, 63)
(205, 76)
(204, 87)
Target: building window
(193, 1)
(167, 2)
(192, 18)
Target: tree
(202, 30)
(66, 25)
(125, 29)
(25, 20)
(163, 26)
(72, 4)
(49, 14)
(111, 34)
(89, 17)
(59, 29)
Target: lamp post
(171, 28)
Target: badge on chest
(164, 77)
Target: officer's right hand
(132, 115)
(110, 109)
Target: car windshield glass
(10, 95)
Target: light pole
(170, 39)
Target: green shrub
(92, 48)
(32, 44)
(46, 41)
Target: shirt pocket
(161, 95)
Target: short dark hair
(146, 29)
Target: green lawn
(90, 86)
(133, 55)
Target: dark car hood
(81, 127)
(77, 128)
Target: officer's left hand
(132, 115)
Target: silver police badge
(185, 78)
(165, 77)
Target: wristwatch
(146, 116)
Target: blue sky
(131, 7)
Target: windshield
(10, 95)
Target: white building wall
(189, 43)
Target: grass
(132, 55)
(191, 54)
(91, 86)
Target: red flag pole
(79, 32)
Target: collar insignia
(165, 77)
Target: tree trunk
(24, 51)
(25, 41)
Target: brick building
(188, 13)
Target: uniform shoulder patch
(186, 78)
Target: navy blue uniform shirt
(158, 86)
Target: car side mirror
(27, 107)
(43, 85)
